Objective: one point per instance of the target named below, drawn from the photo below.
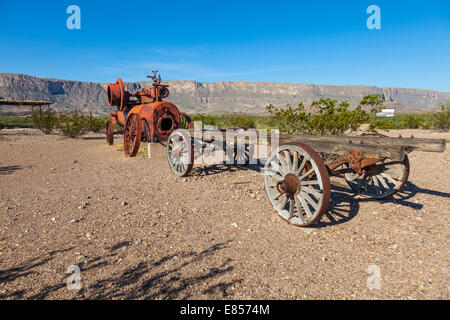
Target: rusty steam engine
(143, 115)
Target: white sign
(389, 113)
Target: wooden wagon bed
(297, 172)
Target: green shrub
(441, 119)
(118, 128)
(3, 122)
(376, 123)
(327, 116)
(413, 122)
(207, 120)
(45, 121)
(19, 122)
(73, 124)
(95, 124)
(184, 124)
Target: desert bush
(327, 116)
(95, 124)
(19, 122)
(413, 122)
(380, 124)
(73, 124)
(45, 121)
(3, 121)
(118, 128)
(290, 119)
(207, 120)
(237, 120)
(184, 123)
(441, 119)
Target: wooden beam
(396, 153)
(384, 147)
(419, 144)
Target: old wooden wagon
(297, 172)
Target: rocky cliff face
(215, 97)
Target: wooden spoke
(307, 174)
(295, 162)
(288, 160)
(309, 182)
(302, 165)
(305, 206)
(283, 163)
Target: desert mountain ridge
(209, 97)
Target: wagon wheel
(297, 184)
(132, 135)
(382, 180)
(110, 132)
(180, 153)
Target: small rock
(252, 196)
(84, 205)
(52, 169)
(74, 161)
(89, 235)
(124, 203)
(180, 211)
(234, 224)
(53, 219)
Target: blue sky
(321, 42)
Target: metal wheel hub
(290, 184)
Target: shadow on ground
(30, 267)
(166, 278)
(9, 169)
(344, 204)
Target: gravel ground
(137, 232)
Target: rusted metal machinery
(143, 115)
(297, 173)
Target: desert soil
(136, 231)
